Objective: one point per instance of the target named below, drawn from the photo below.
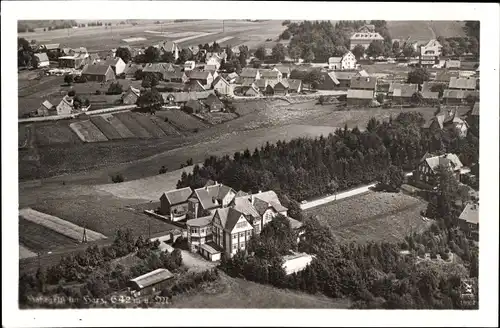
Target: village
(273, 215)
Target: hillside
(425, 30)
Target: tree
(35, 62)
(380, 98)
(314, 78)
(333, 186)
(152, 54)
(115, 88)
(392, 179)
(285, 22)
(395, 47)
(418, 76)
(358, 51)
(294, 52)
(417, 98)
(308, 56)
(408, 51)
(150, 100)
(376, 48)
(285, 35)
(138, 74)
(124, 54)
(117, 178)
(150, 81)
(68, 79)
(260, 53)
(438, 88)
(279, 52)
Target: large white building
(364, 39)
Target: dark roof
(173, 74)
(405, 90)
(212, 99)
(229, 217)
(212, 247)
(220, 78)
(112, 61)
(283, 69)
(158, 67)
(194, 104)
(97, 69)
(152, 278)
(430, 95)
(269, 74)
(361, 82)
(198, 75)
(463, 83)
(178, 196)
(210, 196)
(249, 72)
(294, 83)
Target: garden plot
(182, 120)
(128, 119)
(53, 133)
(87, 131)
(165, 126)
(56, 224)
(105, 127)
(152, 128)
(122, 130)
(40, 238)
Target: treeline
(305, 168)
(30, 26)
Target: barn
(150, 282)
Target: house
(295, 85)
(457, 83)
(43, 59)
(169, 46)
(176, 76)
(281, 88)
(214, 104)
(430, 97)
(251, 91)
(199, 232)
(209, 198)
(452, 64)
(131, 69)
(284, 70)
(364, 83)
(448, 119)
(150, 283)
(205, 78)
(344, 78)
(194, 86)
(364, 39)
(457, 97)
(270, 74)
(231, 77)
(130, 96)
(249, 72)
(403, 93)
(445, 76)
(180, 98)
(431, 48)
(93, 59)
(296, 262)
(328, 82)
(117, 64)
(468, 221)
(159, 69)
(51, 47)
(189, 65)
(65, 107)
(425, 174)
(367, 28)
(98, 73)
(346, 62)
(175, 203)
(212, 69)
(231, 230)
(194, 105)
(359, 97)
(45, 108)
(214, 61)
(222, 86)
(71, 62)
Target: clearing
(58, 225)
(374, 216)
(238, 293)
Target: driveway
(195, 262)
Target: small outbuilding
(150, 282)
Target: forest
(304, 168)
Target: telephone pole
(223, 26)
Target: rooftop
(359, 94)
(362, 82)
(96, 69)
(470, 213)
(178, 196)
(152, 278)
(200, 222)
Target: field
(374, 216)
(238, 293)
(25, 253)
(165, 126)
(53, 133)
(37, 237)
(87, 131)
(128, 119)
(58, 225)
(181, 120)
(145, 121)
(105, 127)
(122, 130)
(218, 118)
(424, 30)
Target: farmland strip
(87, 131)
(166, 127)
(183, 120)
(39, 238)
(105, 127)
(56, 224)
(118, 125)
(131, 123)
(148, 124)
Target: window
(242, 234)
(235, 236)
(235, 246)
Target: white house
(189, 65)
(346, 62)
(117, 64)
(222, 86)
(214, 60)
(43, 60)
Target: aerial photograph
(240, 164)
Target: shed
(45, 108)
(150, 282)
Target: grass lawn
(181, 120)
(130, 121)
(374, 216)
(36, 237)
(53, 133)
(238, 293)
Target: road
(342, 195)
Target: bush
(117, 178)
(163, 169)
(98, 92)
(115, 89)
(166, 119)
(71, 93)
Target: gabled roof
(178, 196)
(244, 205)
(42, 57)
(283, 69)
(96, 69)
(449, 159)
(210, 196)
(200, 222)
(173, 74)
(463, 83)
(232, 75)
(212, 99)
(366, 36)
(131, 68)
(251, 88)
(158, 67)
(245, 81)
(198, 75)
(52, 46)
(271, 198)
(470, 213)
(194, 104)
(475, 109)
(459, 94)
(47, 104)
(228, 217)
(334, 60)
(430, 95)
(137, 92)
(405, 90)
(445, 76)
(294, 84)
(332, 76)
(359, 94)
(345, 75)
(180, 97)
(361, 82)
(152, 278)
(269, 74)
(249, 72)
(220, 79)
(363, 73)
(112, 61)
